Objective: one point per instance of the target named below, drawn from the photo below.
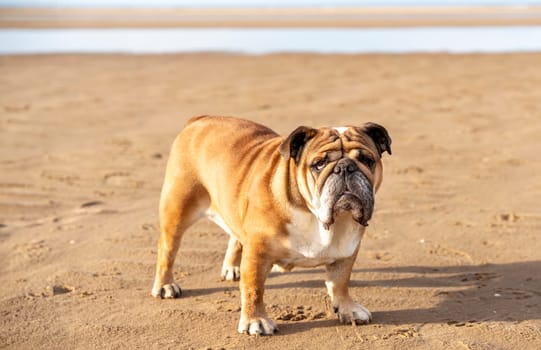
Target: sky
(256, 3)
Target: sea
(255, 41)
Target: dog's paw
(167, 291)
(257, 326)
(230, 273)
(353, 313)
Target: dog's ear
(292, 145)
(380, 136)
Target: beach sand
(269, 17)
(451, 259)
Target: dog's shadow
(474, 293)
(463, 294)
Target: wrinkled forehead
(326, 139)
(341, 138)
(354, 135)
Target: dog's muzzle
(351, 191)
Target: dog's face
(338, 169)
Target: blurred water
(261, 41)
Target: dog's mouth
(355, 198)
(349, 202)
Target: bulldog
(300, 200)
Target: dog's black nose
(345, 166)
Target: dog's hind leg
(183, 201)
(231, 265)
(233, 255)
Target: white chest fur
(311, 245)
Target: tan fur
(232, 170)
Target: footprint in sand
(94, 207)
(121, 179)
(506, 218)
(516, 294)
(33, 251)
(58, 289)
(478, 276)
(296, 314)
(70, 179)
(449, 252)
(86, 208)
(470, 323)
(91, 204)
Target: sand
(451, 259)
(339, 17)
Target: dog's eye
(319, 164)
(366, 160)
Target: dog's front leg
(337, 282)
(254, 268)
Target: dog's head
(337, 170)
